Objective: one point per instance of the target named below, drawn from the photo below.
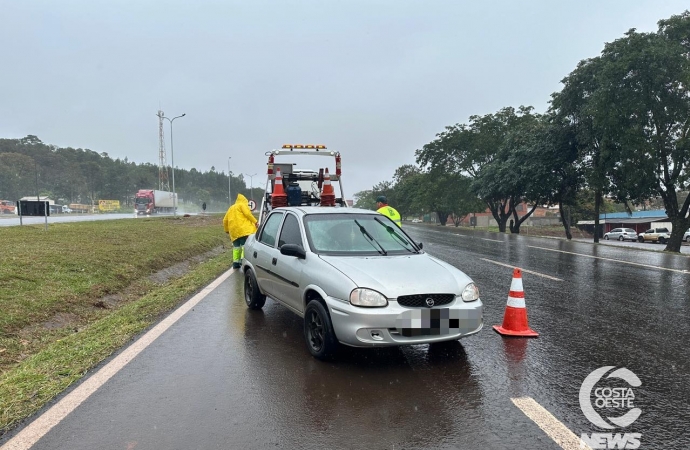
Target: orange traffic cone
(327, 194)
(515, 316)
(278, 197)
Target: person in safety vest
(389, 211)
(238, 224)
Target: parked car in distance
(416, 220)
(660, 235)
(686, 236)
(357, 279)
(622, 234)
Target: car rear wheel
(606, 236)
(687, 239)
(252, 295)
(662, 241)
(641, 239)
(318, 331)
(620, 238)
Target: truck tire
(640, 239)
(252, 295)
(662, 241)
(318, 331)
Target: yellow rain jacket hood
(239, 221)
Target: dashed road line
(524, 270)
(26, 438)
(560, 434)
(493, 240)
(612, 259)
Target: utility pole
(163, 183)
(229, 178)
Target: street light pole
(229, 193)
(172, 161)
(251, 185)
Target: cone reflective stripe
(515, 316)
(278, 197)
(327, 193)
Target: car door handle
(254, 254)
(274, 261)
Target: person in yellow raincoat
(239, 223)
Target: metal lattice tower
(163, 183)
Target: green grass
(54, 325)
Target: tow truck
(303, 187)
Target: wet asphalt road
(227, 377)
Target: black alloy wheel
(252, 296)
(318, 331)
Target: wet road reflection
(228, 377)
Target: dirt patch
(112, 301)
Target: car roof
(304, 210)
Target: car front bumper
(380, 327)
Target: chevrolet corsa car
(357, 279)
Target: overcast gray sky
(373, 79)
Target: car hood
(394, 276)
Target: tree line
(68, 175)
(619, 129)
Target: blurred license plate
(436, 322)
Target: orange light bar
(309, 146)
(321, 146)
(298, 146)
(287, 145)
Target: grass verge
(40, 359)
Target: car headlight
(367, 298)
(470, 293)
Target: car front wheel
(318, 331)
(662, 241)
(687, 239)
(641, 239)
(606, 237)
(252, 295)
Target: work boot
(236, 265)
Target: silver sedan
(357, 279)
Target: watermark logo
(610, 398)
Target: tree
(644, 104)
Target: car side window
(290, 234)
(616, 230)
(270, 229)
(649, 231)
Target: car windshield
(356, 234)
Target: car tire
(606, 237)
(252, 295)
(662, 241)
(620, 238)
(640, 239)
(318, 331)
(687, 239)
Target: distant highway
(12, 220)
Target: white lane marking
(560, 434)
(26, 438)
(611, 259)
(492, 240)
(524, 270)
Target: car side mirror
(420, 245)
(293, 250)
